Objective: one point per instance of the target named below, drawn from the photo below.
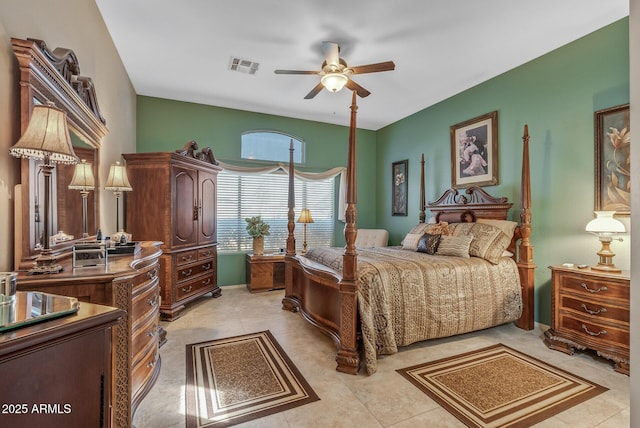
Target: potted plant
(257, 229)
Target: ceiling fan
(335, 73)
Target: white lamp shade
(46, 136)
(118, 180)
(83, 177)
(605, 223)
(334, 81)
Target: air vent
(243, 65)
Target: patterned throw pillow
(428, 243)
(410, 241)
(454, 246)
(489, 241)
(441, 228)
(507, 227)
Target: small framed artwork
(613, 172)
(399, 193)
(474, 152)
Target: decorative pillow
(489, 241)
(428, 243)
(454, 246)
(441, 228)
(410, 241)
(507, 227)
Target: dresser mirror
(54, 76)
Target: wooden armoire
(174, 201)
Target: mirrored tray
(29, 307)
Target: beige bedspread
(405, 296)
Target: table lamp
(118, 182)
(84, 182)
(305, 218)
(604, 226)
(47, 138)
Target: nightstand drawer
(604, 289)
(595, 309)
(595, 331)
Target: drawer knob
(591, 290)
(186, 290)
(151, 364)
(153, 330)
(206, 281)
(186, 272)
(154, 301)
(589, 311)
(207, 266)
(153, 274)
(187, 258)
(590, 333)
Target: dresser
(174, 201)
(58, 373)
(590, 310)
(130, 283)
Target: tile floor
(384, 399)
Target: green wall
(556, 95)
(165, 125)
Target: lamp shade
(118, 180)
(305, 216)
(46, 136)
(334, 81)
(83, 177)
(605, 223)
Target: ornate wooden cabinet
(590, 309)
(174, 201)
(129, 283)
(58, 373)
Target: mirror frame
(52, 76)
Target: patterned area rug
(240, 378)
(500, 387)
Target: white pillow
(411, 241)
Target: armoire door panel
(185, 216)
(207, 208)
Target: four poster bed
(371, 301)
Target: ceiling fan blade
(362, 92)
(315, 91)
(373, 68)
(295, 72)
(331, 53)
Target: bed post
(423, 216)
(291, 225)
(526, 267)
(348, 359)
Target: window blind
(266, 195)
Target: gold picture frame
(612, 162)
(474, 152)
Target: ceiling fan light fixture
(334, 81)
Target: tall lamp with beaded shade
(605, 227)
(118, 182)
(305, 218)
(84, 182)
(46, 138)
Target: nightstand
(265, 272)
(590, 310)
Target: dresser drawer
(145, 302)
(604, 289)
(194, 270)
(206, 253)
(194, 286)
(186, 257)
(595, 309)
(145, 334)
(144, 369)
(594, 331)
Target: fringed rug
(240, 378)
(500, 387)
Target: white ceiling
(181, 49)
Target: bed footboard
(321, 297)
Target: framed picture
(613, 172)
(474, 152)
(399, 193)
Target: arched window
(270, 146)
